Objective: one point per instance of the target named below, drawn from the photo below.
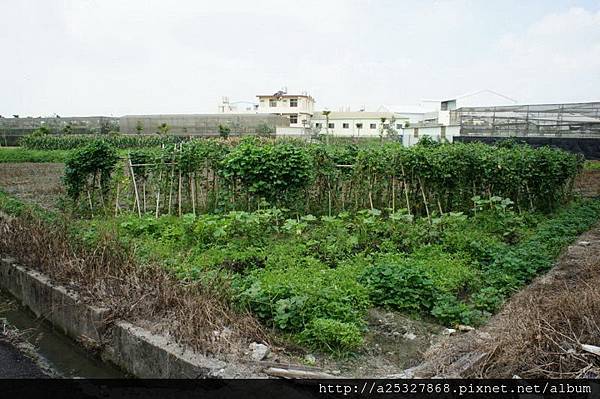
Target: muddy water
(54, 350)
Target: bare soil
(588, 183)
(37, 183)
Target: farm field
(347, 252)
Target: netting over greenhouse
(574, 119)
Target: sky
(115, 57)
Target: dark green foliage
(269, 170)
(94, 162)
(69, 142)
(224, 131)
(400, 286)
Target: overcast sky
(121, 57)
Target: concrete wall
(201, 124)
(136, 350)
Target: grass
(18, 154)
(591, 165)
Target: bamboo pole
(393, 194)
(193, 188)
(405, 188)
(137, 195)
(179, 193)
(90, 202)
(117, 207)
(158, 195)
(171, 181)
(425, 200)
(144, 194)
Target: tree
(68, 129)
(163, 129)
(264, 130)
(382, 128)
(326, 113)
(41, 131)
(139, 127)
(224, 131)
(391, 131)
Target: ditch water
(53, 349)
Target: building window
(293, 102)
(293, 119)
(386, 125)
(398, 126)
(345, 125)
(373, 126)
(272, 103)
(331, 125)
(318, 125)
(359, 125)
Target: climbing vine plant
(428, 179)
(88, 170)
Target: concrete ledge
(133, 349)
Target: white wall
(435, 132)
(352, 131)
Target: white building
(357, 124)
(298, 108)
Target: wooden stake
(137, 195)
(179, 193)
(158, 195)
(393, 194)
(425, 200)
(405, 187)
(117, 207)
(144, 194)
(90, 202)
(193, 184)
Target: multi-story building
(298, 108)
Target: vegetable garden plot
(309, 237)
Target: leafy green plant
(332, 336)
(90, 168)
(399, 286)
